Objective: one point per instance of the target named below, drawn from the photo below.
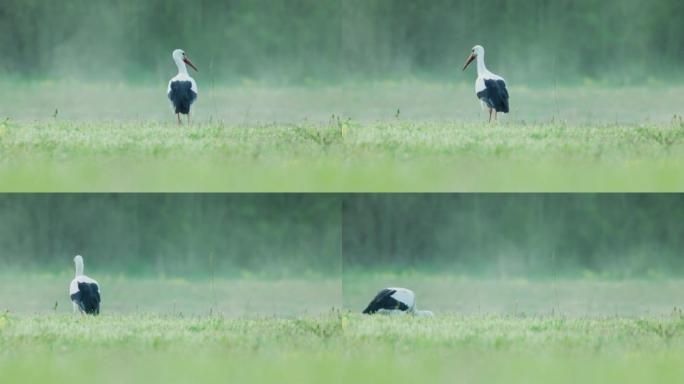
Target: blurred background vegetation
(516, 235)
(612, 42)
(479, 235)
(172, 234)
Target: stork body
(490, 88)
(182, 89)
(84, 291)
(395, 301)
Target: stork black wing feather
(378, 300)
(182, 96)
(89, 298)
(495, 95)
(384, 300)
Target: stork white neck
(481, 68)
(423, 313)
(182, 68)
(78, 262)
(420, 313)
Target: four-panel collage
(341, 191)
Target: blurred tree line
(530, 235)
(516, 235)
(172, 234)
(614, 42)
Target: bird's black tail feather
(90, 298)
(182, 96)
(383, 300)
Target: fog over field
(392, 102)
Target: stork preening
(489, 87)
(392, 301)
(84, 291)
(182, 90)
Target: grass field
(491, 331)
(174, 296)
(340, 348)
(341, 139)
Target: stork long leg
(490, 115)
(496, 115)
(179, 119)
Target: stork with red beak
(489, 87)
(182, 90)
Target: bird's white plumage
(73, 287)
(408, 298)
(490, 88)
(483, 73)
(182, 75)
(79, 276)
(405, 296)
(480, 81)
(391, 312)
(423, 313)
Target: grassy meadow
(341, 348)
(387, 137)
(556, 332)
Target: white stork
(84, 291)
(489, 87)
(182, 89)
(392, 301)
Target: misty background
(172, 234)
(534, 42)
(516, 235)
(300, 235)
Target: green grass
(293, 330)
(240, 297)
(344, 156)
(346, 139)
(341, 347)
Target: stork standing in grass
(489, 87)
(84, 291)
(392, 301)
(182, 90)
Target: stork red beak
(188, 62)
(470, 60)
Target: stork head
(478, 51)
(78, 263)
(179, 56)
(424, 314)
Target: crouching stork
(393, 301)
(489, 87)
(182, 89)
(84, 291)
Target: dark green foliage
(497, 234)
(517, 235)
(325, 41)
(271, 40)
(172, 233)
